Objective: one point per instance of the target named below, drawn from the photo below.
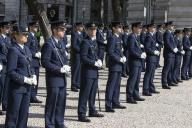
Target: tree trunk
(39, 10)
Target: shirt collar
(33, 34)
(79, 32)
(151, 33)
(93, 38)
(4, 36)
(56, 40)
(21, 46)
(117, 35)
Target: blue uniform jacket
(52, 64)
(186, 45)
(150, 47)
(18, 66)
(169, 44)
(34, 47)
(115, 52)
(135, 50)
(89, 56)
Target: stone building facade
(158, 11)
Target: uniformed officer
(76, 40)
(159, 38)
(169, 52)
(151, 60)
(178, 57)
(190, 67)
(22, 77)
(142, 42)
(101, 41)
(187, 47)
(54, 60)
(34, 47)
(116, 61)
(89, 74)
(125, 36)
(136, 55)
(5, 44)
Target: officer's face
(21, 38)
(6, 29)
(92, 32)
(80, 28)
(61, 32)
(34, 28)
(137, 30)
(118, 29)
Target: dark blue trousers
(76, 72)
(5, 93)
(88, 90)
(55, 107)
(34, 88)
(101, 53)
(177, 68)
(148, 84)
(113, 89)
(167, 69)
(18, 109)
(132, 88)
(185, 66)
(2, 81)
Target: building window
(2, 11)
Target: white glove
(143, 55)
(97, 64)
(68, 45)
(141, 46)
(105, 42)
(28, 80)
(34, 80)
(66, 53)
(67, 68)
(191, 48)
(157, 45)
(156, 53)
(123, 59)
(175, 50)
(1, 67)
(63, 70)
(182, 52)
(100, 63)
(38, 55)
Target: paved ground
(169, 109)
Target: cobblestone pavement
(169, 109)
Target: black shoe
(118, 106)
(166, 87)
(74, 89)
(131, 101)
(179, 81)
(95, 114)
(1, 112)
(139, 99)
(35, 100)
(84, 119)
(147, 94)
(109, 109)
(184, 78)
(155, 92)
(175, 82)
(172, 84)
